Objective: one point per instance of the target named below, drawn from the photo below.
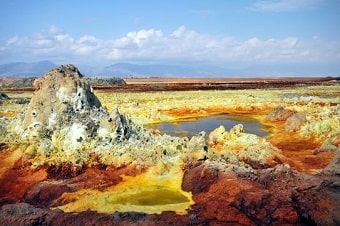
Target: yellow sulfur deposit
(155, 191)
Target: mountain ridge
(124, 70)
(24, 69)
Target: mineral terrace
(75, 156)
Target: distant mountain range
(22, 69)
(135, 70)
(122, 70)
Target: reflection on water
(193, 126)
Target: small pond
(193, 126)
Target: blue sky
(234, 34)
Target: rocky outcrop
(227, 194)
(66, 123)
(323, 125)
(239, 148)
(332, 174)
(16, 82)
(294, 122)
(279, 114)
(61, 91)
(4, 96)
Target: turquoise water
(193, 126)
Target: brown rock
(279, 114)
(22, 214)
(43, 193)
(294, 122)
(199, 179)
(333, 168)
(64, 170)
(60, 90)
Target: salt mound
(63, 90)
(65, 122)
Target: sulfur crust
(122, 197)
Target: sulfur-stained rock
(30, 151)
(333, 168)
(327, 145)
(62, 90)
(279, 114)
(3, 127)
(197, 145)
(238, 147)
(323, 125)
(294, 122)
(65, 123)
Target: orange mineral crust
(300, 152)
(17, 180)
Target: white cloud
(153, 45)
(86, 45)
(53, 29)
(12, 40)
(178, 32)
(285, 5)
(271, 50)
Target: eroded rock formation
(61, 91)
(279, 114)
(65, 122)
(294, 122)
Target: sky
(232, 34)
